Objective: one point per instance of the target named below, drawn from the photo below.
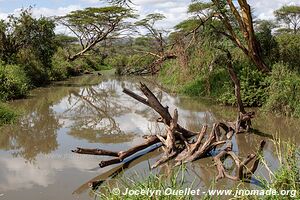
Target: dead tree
(243, 122)
(177, 142)
(243, 172)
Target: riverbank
(277, 93)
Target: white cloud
(17, 174)
(42, 11)
(265, 9)
(175, 11)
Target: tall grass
(286, 178)
(154, 182)
(7, 115)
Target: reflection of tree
(94, 111)
(34, 133)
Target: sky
(175, 11)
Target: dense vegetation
(199, 64)
(191, 60)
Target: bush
(14, 83)
(60, 66)
(289, 50)
(211, 84)
(7, 115)
(284, 91)
(253, 86)
(33, 67)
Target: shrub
(7, 115)
(60, 66)
(289, 50)
(211, 84)
(33, 67)
(284, 91)
(14, 83)
(253, 86)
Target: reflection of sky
(51, 172)
(137, 116)
(17, 174)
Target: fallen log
(177, 141)
(199, 149)
(119, 156)
(243, 172)
(170, 150)
(153, 102)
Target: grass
(157, 184)
(285, 177)
(7, 115)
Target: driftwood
(179, 142)
(119, 156)
(242, 171)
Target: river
(91, 111)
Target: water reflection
(36, 131)
(92, 112)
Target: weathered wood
(170, 150)
(153, 102)
(100, 152)
(176, 142)
(197, 150)
(241, 166)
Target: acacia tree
(94, 25)
(159, 37)
(236, 25)
(149, 24)
(290, 15)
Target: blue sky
(175, 11)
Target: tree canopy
(93, 25)
(290, 15)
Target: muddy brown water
(91, 111)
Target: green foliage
(29, 43)
(284, 91)
(289, 50)
(96, 24)
(188, 25)
(290, 15)
(33, 67)
(14, 83)
(267, 40)
(287, 175)
(174, 181)
(64, 41)
(170, 75)
(208, 84)
(253, 86)
(199, 6)
(60, 66)
(7, 115)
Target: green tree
(289, 49)
(148, 23)
(236, 25)
(267, 40)
(290, 15)
(94, 25)
(30, 43)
